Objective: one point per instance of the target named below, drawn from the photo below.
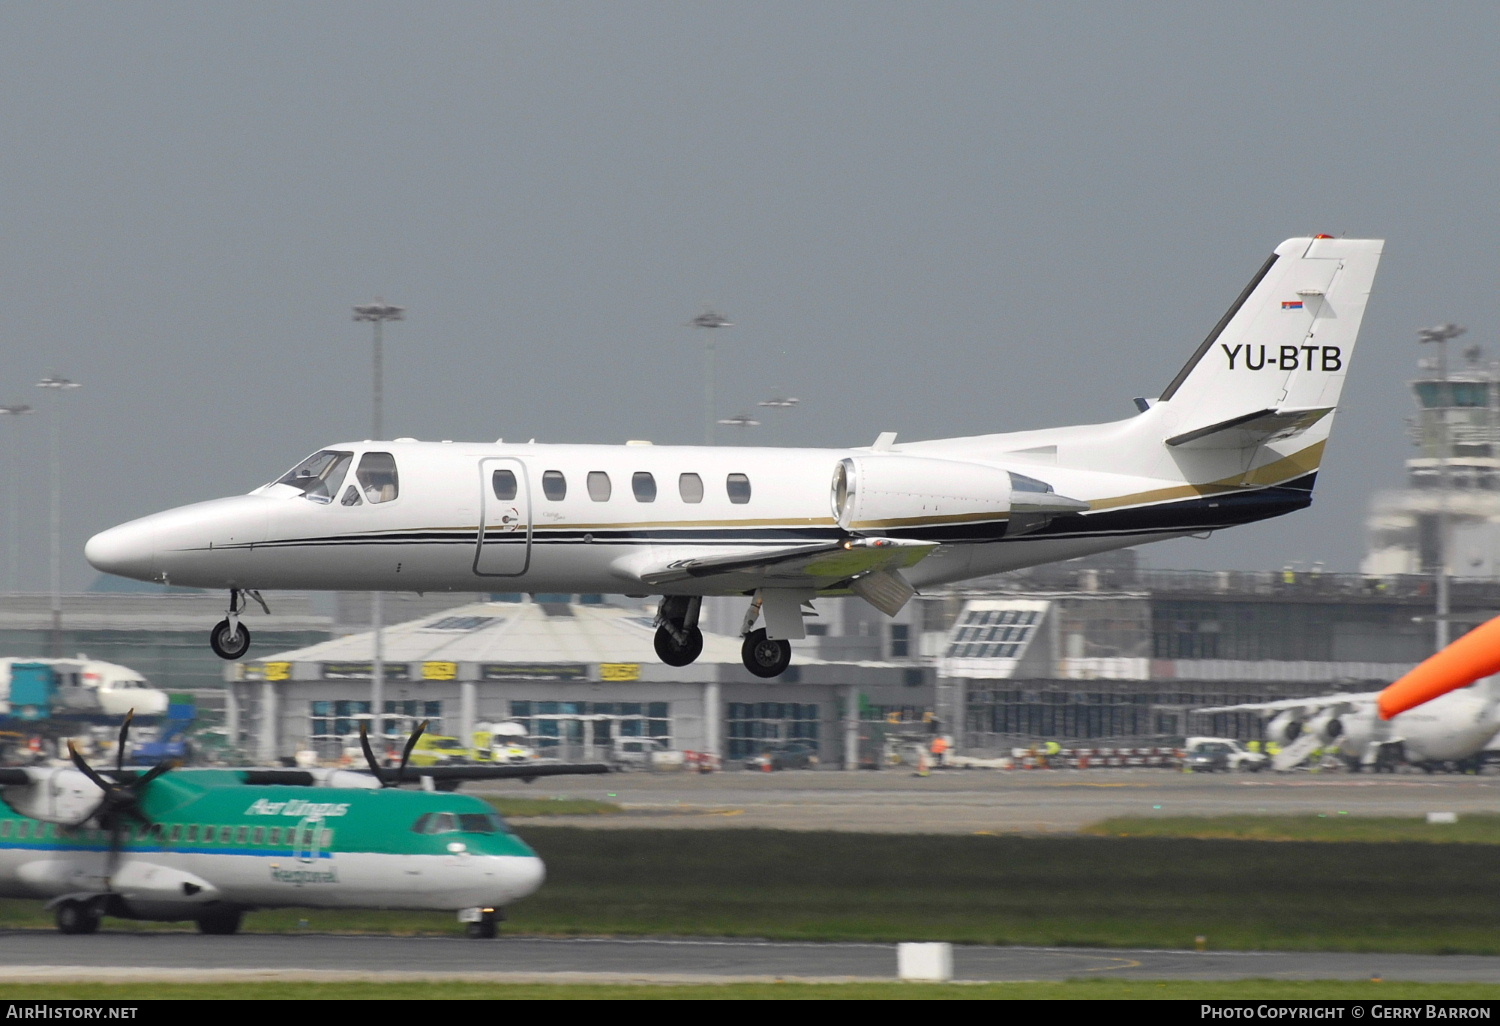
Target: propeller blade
(88, 771)
(155, 771)
(121, 746)
(374, 763)
(411, 743)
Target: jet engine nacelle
(55, 796)
(1285, 727)
(874, 494)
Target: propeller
(121, 802)
(374, 763)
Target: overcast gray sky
(935, 218)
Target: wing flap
(819, 564)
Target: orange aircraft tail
(1475, 655)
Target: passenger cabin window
(599, 486)
(738, 487)
(504, 484)
(644, 486)
(319, 476)
(690, 487)
(554, 485)
(377, 476)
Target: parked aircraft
(1449, 731)
(209, 844)
(1237, 436)
(106, 688)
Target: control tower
(1455, 478)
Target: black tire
(221, 922)
(227, 645)
(763, 656)
(486, 929)
(77, 917)
(673, 654)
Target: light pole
(12, 569)
(377, 313)
(59, 385)
(1441, 336)
(710, 320)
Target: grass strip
(460, 990)
(1481, 828)
(522, 807)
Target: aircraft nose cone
(526, 876)
(129, 550)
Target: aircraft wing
(1316, 703)
(512, 771)
(813, 565)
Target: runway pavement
(34, 956)
(994, 801)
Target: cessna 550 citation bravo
(1236, 436)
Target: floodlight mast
(710, 320)
(60, 385)
(377, 313)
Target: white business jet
(1451, 730)
(1236, 436)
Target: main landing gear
(765, 656)
(678, 639)
(230, 639)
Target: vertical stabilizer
(1276, 360)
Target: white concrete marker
(930, 963)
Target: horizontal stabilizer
(1250, 429)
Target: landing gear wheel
(673, 654)
(485, 929)
(228, 644)
(77, 917)
(221, 922)
(764, 657)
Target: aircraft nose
(129, 550)
(526, 875)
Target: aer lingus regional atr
(1236, 436)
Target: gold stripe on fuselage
(1288, 468)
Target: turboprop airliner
(1236, 436)
(209, 844)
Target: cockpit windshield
(318, 477)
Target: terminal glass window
(690, 487)
(599, 487)
(753, 724)
(644, 486)
(504, 484)
(554, 485)
(591, 730)
(333, 727)
(738, 487)
(377, 476)
(318, 477)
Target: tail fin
(1274, 365)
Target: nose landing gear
(230, 639)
